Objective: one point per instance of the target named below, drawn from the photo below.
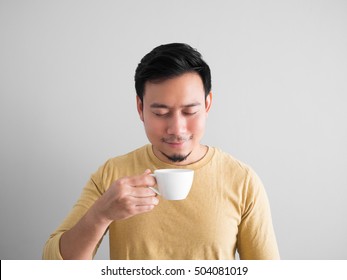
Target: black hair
(169, 61)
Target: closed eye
(189, 113)
(161, 114)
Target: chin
(177, 158)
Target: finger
(146, 201)
(143, 180)
(142, 192)
(143, 209)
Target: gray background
(67, 104)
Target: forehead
(182, 89)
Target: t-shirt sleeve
(91, 192)
(256, 237)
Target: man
(227, 208)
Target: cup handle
(153, 188)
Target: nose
(177, 125)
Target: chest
(203, 226)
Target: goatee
(176, 158)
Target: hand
(127, 197)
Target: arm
(256, 238)
(81, 232)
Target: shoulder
(126, 158)
(249, 185)
(229, 161)
(237, 169)
(119, 166)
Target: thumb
(147, 171)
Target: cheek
(153, 126)
(197, 126)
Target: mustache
(176, 138)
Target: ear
(139, 106)
(208, 102)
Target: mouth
(176, 142)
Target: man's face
(174, 113)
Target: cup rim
(173, 170)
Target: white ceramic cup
(173, 184)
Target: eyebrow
(163, 106)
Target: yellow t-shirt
(226, 210)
